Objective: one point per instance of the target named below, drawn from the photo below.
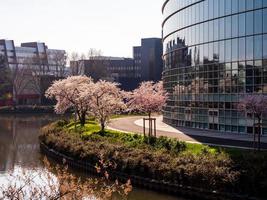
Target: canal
(19, 149)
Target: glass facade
(215, 51)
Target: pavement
(135, 125)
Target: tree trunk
(149, 125)
(83, 118)
(102, 127)
(259, 135)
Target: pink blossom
(149, 97)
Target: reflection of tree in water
(19, 140)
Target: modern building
(148, 59)
(215, 52)
(27, 66)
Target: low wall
(179, 190)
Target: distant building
(146, 65)
(117, 69)
(25, 67)
(148, 59)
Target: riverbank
(26, 109)
(162, 160)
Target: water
(19, 149)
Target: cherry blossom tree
(67, 93)
(149, 97)
(105, 99)
(256, 105)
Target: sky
(112, 26)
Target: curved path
(135, 125)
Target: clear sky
(113, 26)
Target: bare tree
(93, 64)
(58, 59)
(76, 66)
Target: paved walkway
(135, 125)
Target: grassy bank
(169, 160)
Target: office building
(215, 52)
(26, 67)
(148, 59)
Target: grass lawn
(134, 139)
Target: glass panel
(242, 5)
(221, 47)
(265, 20)
(234, 6)
(258, 21)
(258, 47)
(222, 28)
(265, 46)
(250, 4)
(249, 48)
(228, 7)
(234, 26)
(242, 49)
(228, 50)
(249, 23)
(234, 50)
(228, 26)
(258, 3)
(241, 24)
(222, 8)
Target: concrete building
(215, 52)
(25, 66)
(148, 59)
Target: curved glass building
(215, 51)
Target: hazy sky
(113, 26)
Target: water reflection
(19, 149)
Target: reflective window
(258, 3)
(265, 46)
(265, 20)
(242, 49)
(216, 30)
(234, 25)
(234, 49)
(258, 47)
(258, 21)
(249, 23)
(221, 48)
(228, 50)
(242, 24)
(222, 7)
(211, 31)
(249, 48)
(250, 4)
(228, 27)
(228, 7)
(222, 27)
(234, 6)
(242, 5)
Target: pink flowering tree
(105, 99)
(256, 105)
(67, 93)
(149, 97)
